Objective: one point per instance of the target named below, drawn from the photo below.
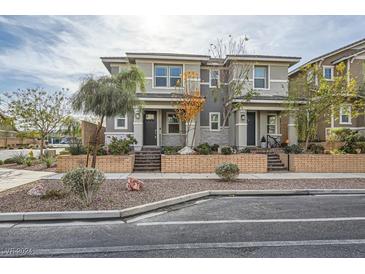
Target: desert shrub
(76, 148)
(361, 146)
(170, 150)
(55, 194)
(31, 154)
(28, 161)
(245, 150)
(204, 149)
(121, 146)
(227, 150)
(227, 171)
(19, 158)
(214, 147)
(293, 149)
(102, 150)
(316, 149)
(1, 162)
(84, 182)
(65, 152)
(9, 161)
(48, 161)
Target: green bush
(214, 147)
(102, 150)
(84, 182)
(361, 146)
(340, 134)
(28, 161)
(350, 144)
(65, 152)
(293, 149)
(9, 161)
(170, 150)
(245, 150)
(19, 158)
(48, 161)
(1, 162)
(204, 149)
(316, 149)
(227, 150)
(121, 146)
(227, 171)
(76, 148)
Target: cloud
(58, 51)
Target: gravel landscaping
(113, 193)
(35, 167)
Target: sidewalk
(10, 178)
(258, 176)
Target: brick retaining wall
(107, 163)
(247, 163)
(327, 163)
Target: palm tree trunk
(96, 140)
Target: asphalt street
(269, 226)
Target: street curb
(128, 212)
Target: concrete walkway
(258, 176)
(10, 178)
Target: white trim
(349, 115)
(210, 121)
(167, 123)
(279, 81)
(267, 59)
(125, 123)
(266, 80)
(168, 77)
(332, 72)
(167, 57)
(160, 99)
(119, 60)
(218, 80)
(276, 123)
(118, 133)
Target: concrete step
(275, 165)
(273, 168)
(146, 169)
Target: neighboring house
(353, 56)
(157, 125)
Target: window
(214, 121)
(167, 76)
(214, 78)
(271, 124)
(173, 123)
(261, 77)
(345, 115)
(121, 122)
(328, 72)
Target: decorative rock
(186, 151)
(37, 191)
(134, 184)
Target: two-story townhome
(353, 56)
(157, 125)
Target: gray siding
(110, 124)
(214, 137)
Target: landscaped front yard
(114, 195)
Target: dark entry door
(150, 128)
(251, 128)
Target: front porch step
(147, 160)
(274, 163)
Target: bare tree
(235, 77)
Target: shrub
(64, 152)
(245, 150)
(19, 158)
(76, 148)
(316, 149)
(1, 162)
(361, 146)
(227, 171)
(350, 142)
(49, 161)
(102, 150)
(204, 149)
(31, 154)
(214, 147)
(84, 182)
(28, 161)
(227, 150)
(121, 146)
(293, 149)
(170, 150)
(340, 134)
(9, 161)
(54, 194)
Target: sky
(55, 52)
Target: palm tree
(71, 127)
(108, 96)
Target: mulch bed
(113, 193)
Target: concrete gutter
(128, 212)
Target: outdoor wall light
(138, 115)
(243, 116)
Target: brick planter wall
(327, 163)
(247, 163)
(107, 163)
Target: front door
(150, 128)
(251, 128)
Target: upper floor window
(214, 78)
(173, 123)
(271, 124)
(167, 76)
(261, 77)
(328, 72)
(121, 122)
(345, 114)
(214, 121)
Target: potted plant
(263, 142)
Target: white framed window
(214, 78)
(173, 123)
(167, 76)
(328, 73)
(271, 124)
(214, 121)
(261, 77)
(345, 115)
(121, 122)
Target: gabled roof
(319, 58)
